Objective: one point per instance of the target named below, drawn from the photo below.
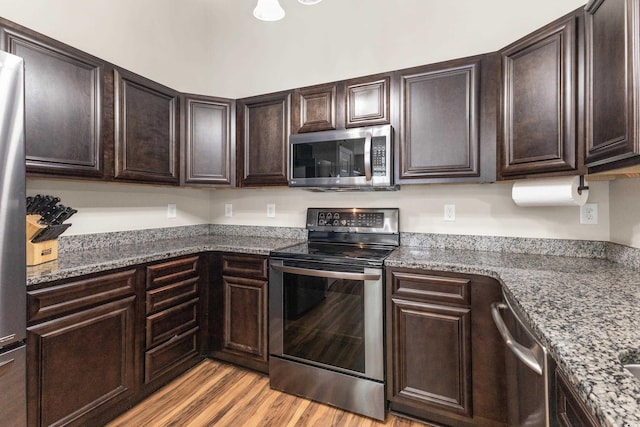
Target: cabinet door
(81, 364)
(314, 108)
(245, 318)
(146, 147)
(440, 123)
(263, 139)
(431, 356)
(539, 129)
(367, 101)
(209, 141)
(63, 104)
(612, 84)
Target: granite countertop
(586, 311)
(73, 264)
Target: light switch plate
(228, 209)
(271, 210)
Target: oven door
(328, 316)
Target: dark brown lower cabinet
(96, 345)
(445, 359)
(82, 364)
(570, 411)
(446, 383)
(239, 310)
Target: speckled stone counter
(586, 311)
(77, 263)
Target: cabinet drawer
(430, 288)
(243, 265)
(173, 321)
(172, 272)
(79, 294)
(172, 294)
(170, 354)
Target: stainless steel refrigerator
(13, 292)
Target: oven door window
(324, 321)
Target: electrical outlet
(271, 210)
(449, 212)
(228, 209)
(589, 213)
(171, 210)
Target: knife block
(38, 253)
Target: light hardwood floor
(218, 394)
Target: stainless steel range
(326, 337)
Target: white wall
(481, 209)
(338, 39)
(165, 40)
(106, 207)
(216, 47)
(625, 212)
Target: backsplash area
(626, 255)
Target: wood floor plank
(218, 394)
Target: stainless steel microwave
(358, 158)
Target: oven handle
(367, 157)
(327, 274)
(523, 353)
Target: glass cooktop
(336, 253)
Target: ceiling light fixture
(270, 10)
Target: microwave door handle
(326, 274)
(367, 157)
(524, 354)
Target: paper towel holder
(581, 186)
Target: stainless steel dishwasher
(527, 369)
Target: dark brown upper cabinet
(539, 129)
(447, 121)
(314, 108)
(363, 101)
(146, 130)
(208, 150)
(263, 137)
(367, 101)
(63, 104)
(612, 84)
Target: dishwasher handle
(326, 274)
(524, 354)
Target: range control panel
(353, 219)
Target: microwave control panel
(378, 156)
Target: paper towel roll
(549, 192)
